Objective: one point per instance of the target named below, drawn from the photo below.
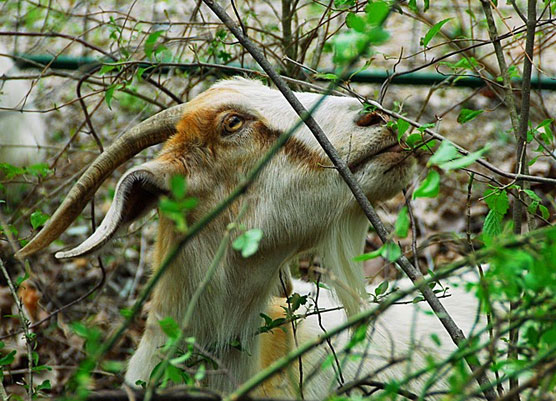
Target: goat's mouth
(394, 150)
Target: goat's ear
(137, 193)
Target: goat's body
(400, 340)
(21, 133)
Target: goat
(21, 133)
(298, 203)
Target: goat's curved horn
(150, 132)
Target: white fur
(21, 131)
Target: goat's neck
(227, 311)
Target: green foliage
(466, 115)
(296, 301)
(270, 324)
(381, 288)
(36, 170)
(401, 227)
(412, 4)
(176, 206)
(429, 187)
(248, 242)
(389, 251)
(358, 336)
(448, 158)
(217, 47)
(446, 152)
(109, 93)
(365, 31)
(401, 126)
(150, 43)
(498, 203)
(343, 3)
(432, 32)
(38, 219)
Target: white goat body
(298, 203)
(21, 132)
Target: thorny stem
(416, 277)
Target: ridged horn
(152, 131)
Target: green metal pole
(374, 76)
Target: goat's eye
(232, 123)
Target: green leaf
(11, 171)
(446, 152)
(376, 36)
(429, 187)
(178, 186)
(376, 12)
(382, 288)
(126, 312)
(369, 255)
(433, 32)
(549, 337)
(402, 126)
(328, 76)
(45, 385)
(39, 169)
(349, 45)
(497, 200)
(436, 339)
(150, 43)
(170, 327)
(414, 139)
(401, 227)
(8, 359)
(38, 219)
(391, 251)
(343, 3)
(181, 359)
(113, 366)
(544, 212)
(463, 161)
(200, 373)
(20, 281)
(109, 94)
(532, 195)
(359, 335)
(296, 301)
(492, 226)
(106, 68)
(532, 208)
(466, 115)
(248, 242)
(356, 22)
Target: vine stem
(415, 275)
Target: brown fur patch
(294, 149)
(275, 345)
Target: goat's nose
(373, 118)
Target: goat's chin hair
(344, 240)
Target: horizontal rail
(374, 76)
